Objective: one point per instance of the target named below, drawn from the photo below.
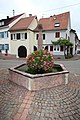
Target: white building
(55, 27)
(74, 40)
(78, 46)
(5, 25)
(22, 36)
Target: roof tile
(22, 24)
(48, 23)
(10, 20)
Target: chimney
(7, 17)
(13, 12)
(30, 15)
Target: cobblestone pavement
(11, 96)
(58, 103)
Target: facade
(74, 40)
(54, 28)
(19, 36)
(78, 46)
(5, 25)
(22, 36)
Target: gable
(55, 22)
(7, 21)
(22, 24)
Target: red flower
(28, 55)
(45, 63)
(31, 60)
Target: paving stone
(58, 103)
(10, 93)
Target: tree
(65, 43)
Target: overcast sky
(43, 8)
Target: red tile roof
(15, 17)
(22, 24)
(9, 20)
(48, 23)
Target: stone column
(40, 39)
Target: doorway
(22, 52)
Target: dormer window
(54, 18)
(57, 25)
(1, 23)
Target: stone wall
(38, 81)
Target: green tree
(65, 43)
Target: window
(66, 36)
(2, 22)
(57, 47)
(46, 48)
(57, 25)
(18, 36)
(6, 46)
(22, 36)
(14, 36)
(2, 35)
(37, 35)
(35, 48)
(51, 48)
(43, 36)
(2, 46)
(7, 34)
(54, 47)
(25, 35)
(57, 34)
(61, 48)
(11, 36)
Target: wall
(38, 81)
(33, 24)
(50, 36)
(15, 44)
(72, 39)
(7, 40)
(28, 43)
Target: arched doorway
(22, 52)
(35, 48)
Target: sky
(43, 8)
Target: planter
(38, 81)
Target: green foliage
(63, 42)
(69, 56)
(40, 62)
(54, 42)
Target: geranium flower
(40, 61)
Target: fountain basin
(38, 81)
